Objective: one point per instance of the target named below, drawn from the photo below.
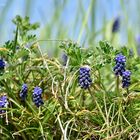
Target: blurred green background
(84, 21)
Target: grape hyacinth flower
(126, 79)
(37, 98)
(120, 64)
(84, 77)
(2, 64)
(116, 25)
(3, 103)
(65, 58)
(23, 92)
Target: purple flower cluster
(119, 70)
(23, 92)
(120, 65)
(3, 103)
(37, 98)
(126, 79)
(84, 77)
(65, 58)
(2, 64)
(116, 25)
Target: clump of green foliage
(103, 111)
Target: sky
(42, 11)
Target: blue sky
(42, 11)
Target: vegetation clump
(52, 103)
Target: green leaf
(21, 53)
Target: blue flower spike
(23, 92)
(116, 25)
(84, 77)
(119, 68)
(3, 103)
(126, 79)
(2, 64)
(37, 96)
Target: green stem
(42, 131)
(15, 40)
(50, 40)
(83, 99)
(96, 103)
(120, 120)
(117, 86)
(127, 90)
(112, 38)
